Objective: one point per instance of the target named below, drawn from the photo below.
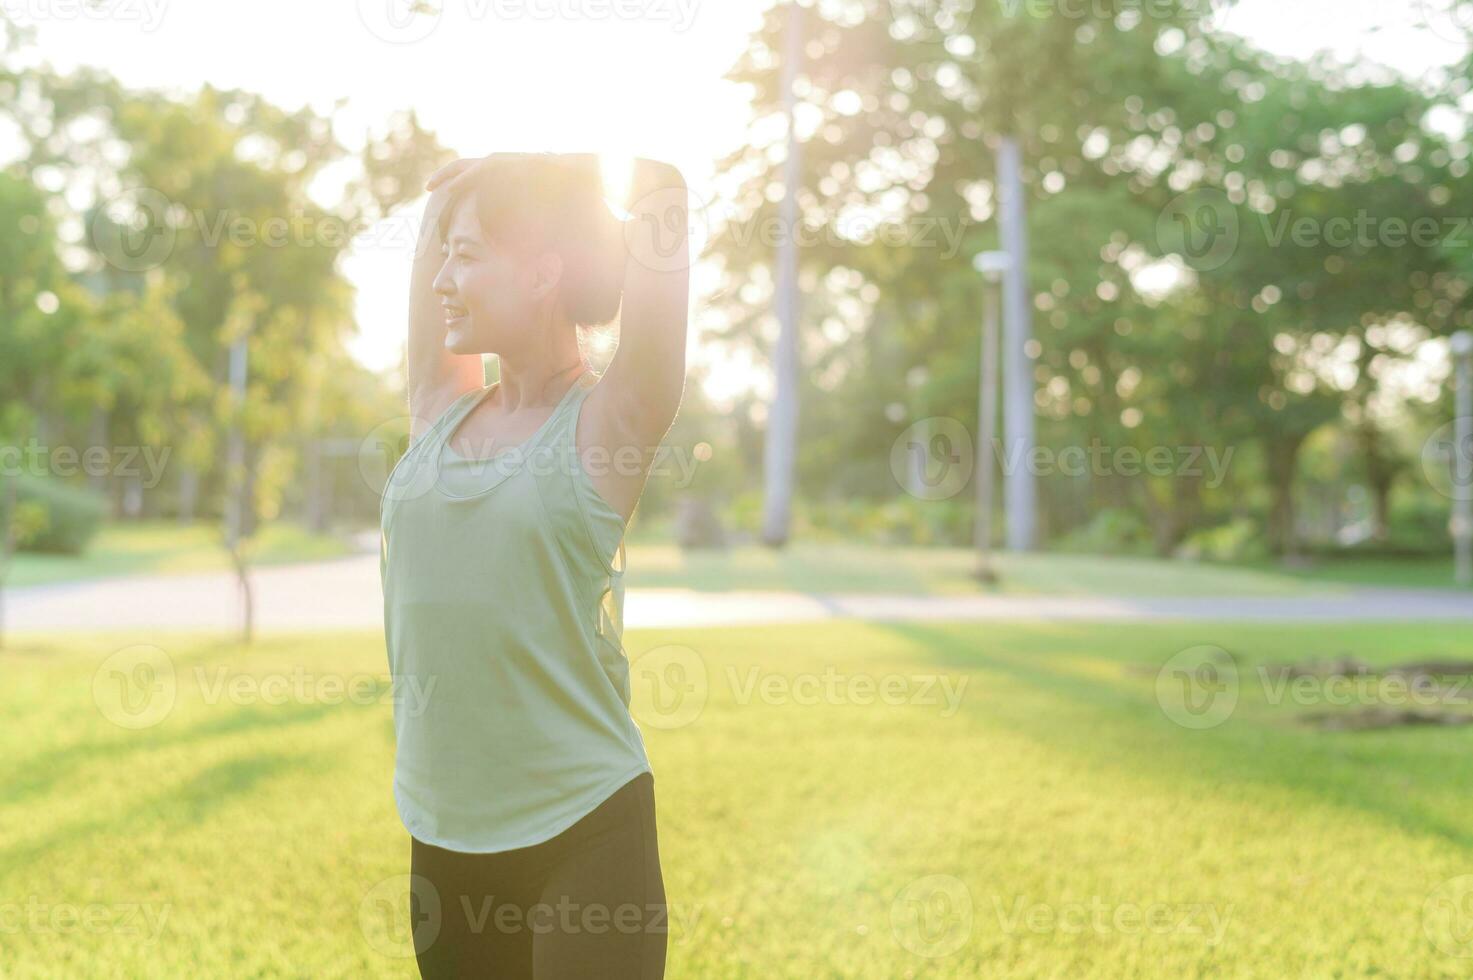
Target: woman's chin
(458, 342)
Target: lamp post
(991, 265)
(915, 382)
(1022, 503)
(1462, 347)
(781, 449)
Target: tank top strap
(466, 403)
(583, 387)
(561, 429)
(452, 415)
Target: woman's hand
(450, 171)
(453, 174)
(443, 185)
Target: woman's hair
(545, 202)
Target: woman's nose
(443, 285)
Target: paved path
(345, 593)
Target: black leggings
(590, 902)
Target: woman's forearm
(653, 312)
(436, 375)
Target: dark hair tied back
(548, 202)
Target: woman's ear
(547, 273)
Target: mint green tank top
(503, 619)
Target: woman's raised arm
(645, 381)
(437, 376)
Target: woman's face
(487, 295)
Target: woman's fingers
(458, 168)
(447, 172)
(458, 172)
(456, 183)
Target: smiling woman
(510, 216)
(524, 781)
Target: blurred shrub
(1416, 527)
(53, 517)
(1112, 531)
(1240, 539)
(744, 513)
(1419, 525)
(898, 521)
(903, 520)
(697, 523)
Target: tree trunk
(1380, 474)
(132, 488)
(247, 596)
(188, 493)
(97, 436)
(1283, 457)
(7, 541)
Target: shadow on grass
(176, 807)
(1127, 731)
(39, 774)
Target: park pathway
(345, 594)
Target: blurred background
(1085, 373)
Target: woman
(524, 781)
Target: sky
(622, 77)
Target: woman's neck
(534, 385)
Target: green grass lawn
(1017, 803)
(1403, 573)
(839, 567)
(810, 566)
(165, 547)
